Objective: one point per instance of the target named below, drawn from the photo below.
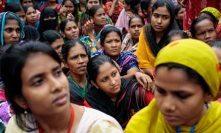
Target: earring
(25, 112)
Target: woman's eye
(109, 41)
(165, 17)
(83, 56)
(156, 15)
(161, 91)
(68, 29)
(104, 79)
(18, 30)
(37, 82)
(9, 30)
(114, 74)
(58, 73)
(182, 95)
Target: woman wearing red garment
(193, 8)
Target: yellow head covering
(216, 13)
(196, 55)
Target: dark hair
(170, 7)
(144, 4)
(196, 21)
(27, 7)
(191, 74)
(133, 5)
(64, 23)
(136, 16)
(94, 65)
(33, 1)
(181, 33)
(49, 36)
(178, 7)
(106, 30)
(48, 12)
(31, 34)
(93, 10)
(75, 13)
(13, 7)
(11, 65)
(100, 1)
(72, 43)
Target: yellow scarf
(150, 120)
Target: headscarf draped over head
(213, 11)
(196, 55)
(10, 15)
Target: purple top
(126, 60)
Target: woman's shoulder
(12, 126)
(128, 81)
(96, 121)
(127, 54)
(141, 120)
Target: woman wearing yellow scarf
(186, 78)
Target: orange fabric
(144, 54)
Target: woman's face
(205, 31)
(160, 19)
(77, 60)
(57, 45)
(44, 85)
(11, 32)
(180, 99)
(21, 14)
(31, 15)
(108, 79)
(112, 44)
(52, 1)
(69, 6)
(27, 3)
(50, 22)
(135, 27)
(99, 17)
(91, 3)
(71, 30)
(181, 13)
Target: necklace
(71, 121)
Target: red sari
(193, 8)
(2, 5)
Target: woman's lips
(115, 88)
(84, 67)
(170, 118)
(60, 100)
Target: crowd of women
(110, 66)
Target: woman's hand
(70, 17)
(88, 27)
(63, 12)
(144, 80)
